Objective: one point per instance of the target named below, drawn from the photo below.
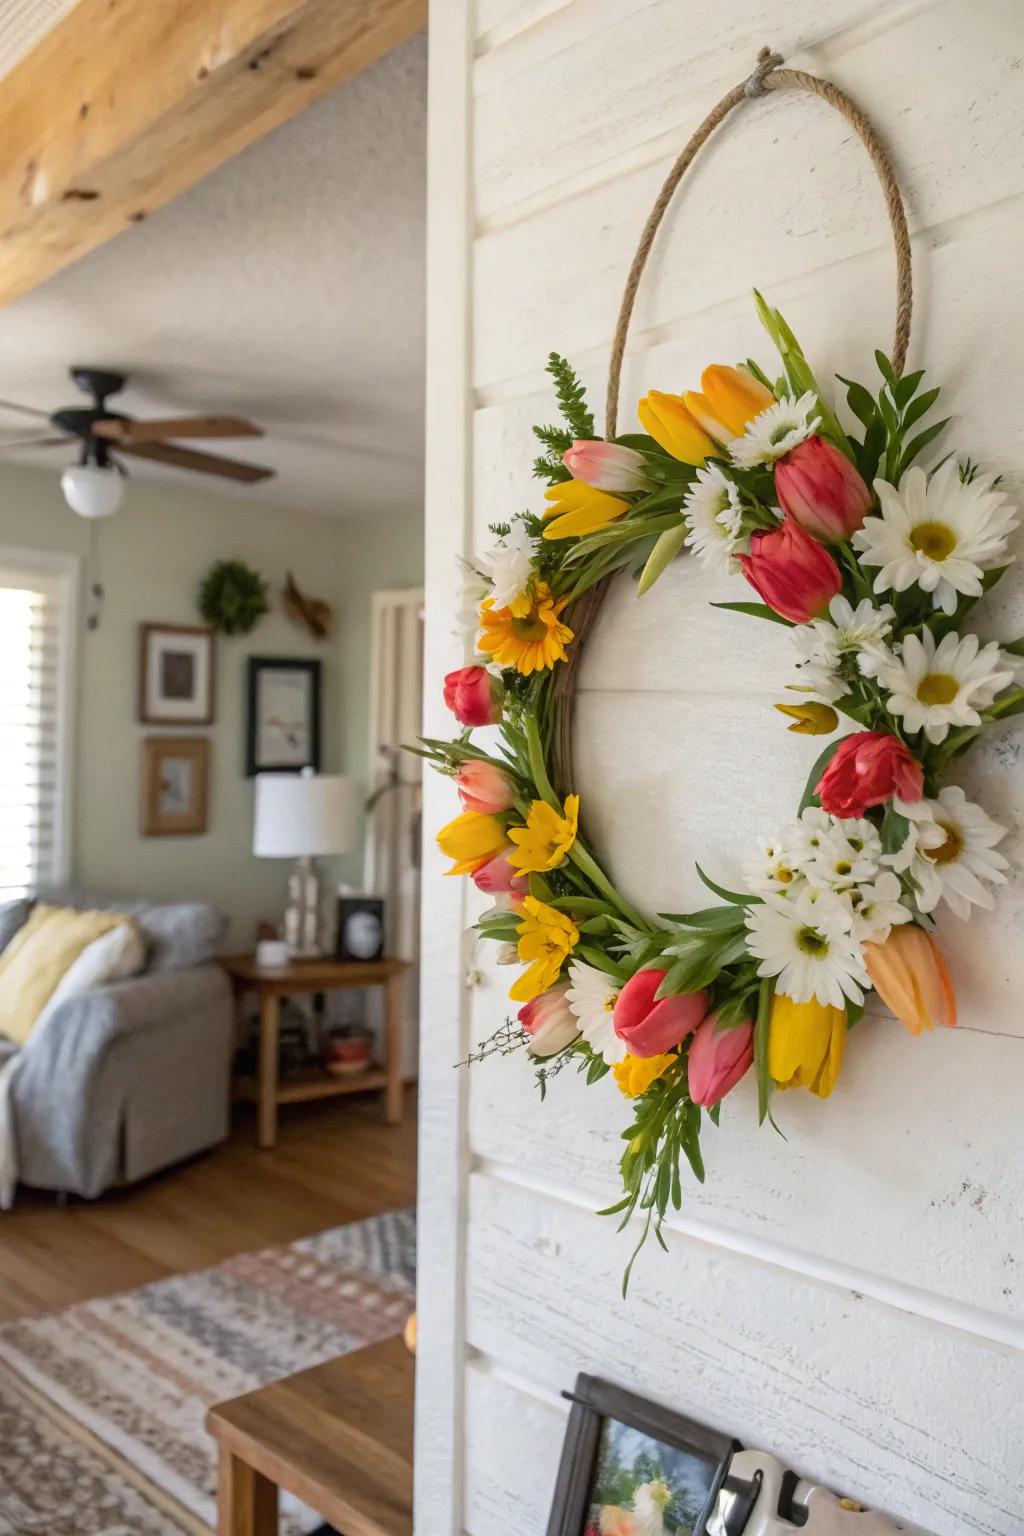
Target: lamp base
(302, 914)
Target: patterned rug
(102, 1405)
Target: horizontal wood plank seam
(1004, 1333)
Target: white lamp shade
(92, 490)
(298, 815)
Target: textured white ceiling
(287, 286)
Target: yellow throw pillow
(38, 956)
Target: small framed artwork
(283, 730)
(360, 928)
(629, 1465)
(175, 675)
(174, 786)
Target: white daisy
(933, 687)
(471, 594)
(774, 868)
(776, 432)
(805, 942)
(713, 514)
(950, 852)
(825, 643)
(879, 907)
(817, 837)
(509, 565)
(941, 533)
(592, 998)
(846, 855)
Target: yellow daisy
(635, 1074)
(547, 837)
(577, 509)
(531, 641)
(546, 939)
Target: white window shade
(37, 601)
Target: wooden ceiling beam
(125, 103)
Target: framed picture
(283, 732)
(629, 1465)
(175, 675)
(360, 928)
(174, 778)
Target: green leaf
(589, 904)
(1014, 647)
(709, 917)
(871, 451)
(918, 444)
(860, 401)
(766, 993)
(887, 370)
(602, 962)
(894, 830)
(809, 797)
(906, 388)
(720, 890)
(756, 611)
(921, 406)
(664, 552)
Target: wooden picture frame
(597, 1404)
(173, 799)
(176, 674)
(283, 715)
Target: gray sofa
(134, 1076)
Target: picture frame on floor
(630, 1464)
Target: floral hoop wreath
(874, 565)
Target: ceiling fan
(94, 487)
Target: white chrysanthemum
(950, 852)
(471, 594)
(846, 855)
(934, 687)
(878, 908)
(776, 432)
(824, 643)
(941, 533)
(774, 868)
(592, 998)
(509, 565)
(713, 514)
(805, 942)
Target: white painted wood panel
(851, 1297)
(781, 1363)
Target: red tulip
(484, 787)
(498, 877)
(869, 768)
(474, 696)
(793, 573)
(650, 1028)
(717, 1060)
(818, 485)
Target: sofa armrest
(84, 1026)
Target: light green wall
(152, 554)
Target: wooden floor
(334, 1162)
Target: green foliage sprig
(579, 421)
(233, 597)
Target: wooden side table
(302, 978)
(338, 1437)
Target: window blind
(34, 617)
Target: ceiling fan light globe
(92, 490)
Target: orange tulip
(734, 397)
(910, 976)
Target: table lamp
(299, 816)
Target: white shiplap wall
(851, 1297)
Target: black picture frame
(593, 1403)
(257, 758)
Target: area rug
(102, 1405)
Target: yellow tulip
(635, 1074)
(666, 419)
(810, 719)
(546, 940)
(734, 396)
(705, 417)
(577, 509)
(472, 839)
(547, 837)
(806, 1042)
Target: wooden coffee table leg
(246, 1500)
(270, 1017)
(393, 1092)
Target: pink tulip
(869, 768)
(794, 574)
(819, 486)
(474, 696)
(497, 877)
(607, 466)
(549, 1021)
(484, 787)
(650, 1028)
(717, 1061)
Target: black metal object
(80, 421)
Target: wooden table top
(309, 975)
(339, 1437)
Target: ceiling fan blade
(116, 431)
(34, 442)
(189, 458)
(24, 410)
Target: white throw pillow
(112, 957)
